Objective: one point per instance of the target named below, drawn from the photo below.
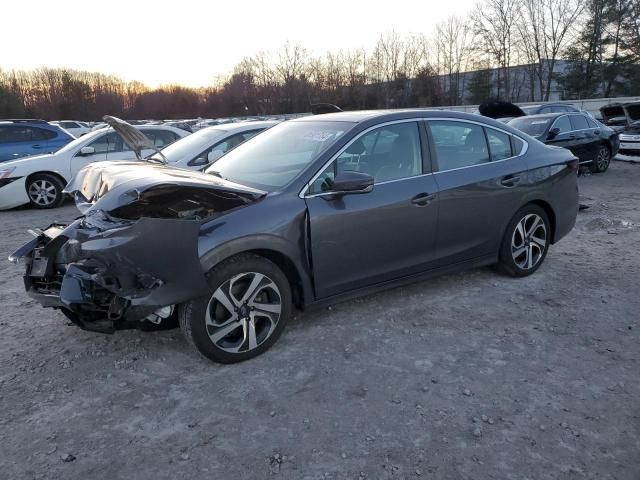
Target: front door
(359, 240)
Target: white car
(202, 148)
(75, 128)
(40, 180)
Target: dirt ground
(468, 376)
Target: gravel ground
(468, 376)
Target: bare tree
(494, 23)
(453, 46)
(545, 27)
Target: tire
(45, 191)
(220, 324)
(521, 234)
(603, 159)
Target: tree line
(515, 50)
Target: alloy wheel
(42, 192)
(243, 312)
(529, 241)
(603, 158)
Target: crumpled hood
(135, 190)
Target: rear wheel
(526, 242)
(602, 160)
(45, 190)
(246, 310)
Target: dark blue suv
(21, 138)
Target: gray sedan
(310, 212)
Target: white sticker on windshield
(319, 136)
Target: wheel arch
(46, 172)
(548, 209)
(275, 249)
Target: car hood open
(611, 111)
(633, 111)
(133, 190)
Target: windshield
(531, 126)
(530, 110)
(272, 159)
(190, 145)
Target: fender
(270, 242)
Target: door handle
(423, 199)
(510, 180)
(36, 146)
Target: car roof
(390, 115)
(549, 115)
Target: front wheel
(45, 190)
(526, 242)
(602, 160)
(246, 310)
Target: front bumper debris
(107, 274)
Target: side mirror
(352, 182)
(84, 151)
(553, 133)
(214, 155)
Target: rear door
(363, 239)
(585, 135)
(480, 176)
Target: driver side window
(387, 153)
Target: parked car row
(592, 142)
(40, 180)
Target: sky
(190, 42)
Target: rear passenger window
(160, 138)
(42, 134)
(499, 144)
(592, 122)
(578, 122)
(458, 144)
(563, 124)
(517, 145)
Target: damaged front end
(107, 274)
(133, 255)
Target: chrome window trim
(525, 148)
(303, 192)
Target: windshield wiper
(215, 174)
